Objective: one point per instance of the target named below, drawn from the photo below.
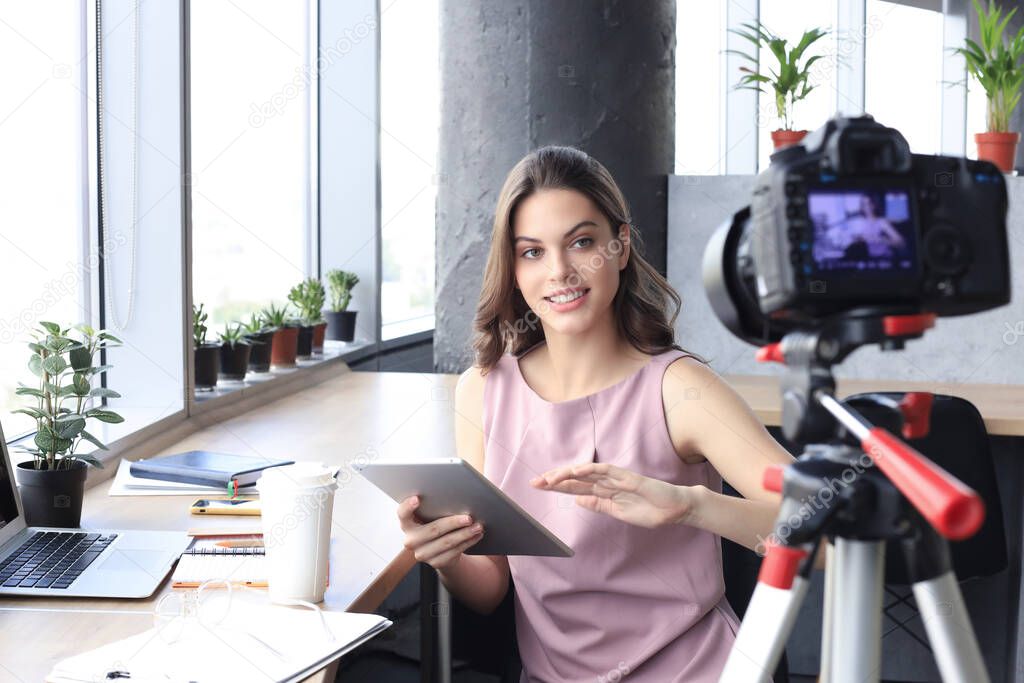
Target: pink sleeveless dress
(644, 605)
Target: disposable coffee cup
(297, 502)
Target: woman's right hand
(439, 543)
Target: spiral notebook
(239, 559)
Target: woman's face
(563, 247)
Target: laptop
(78, 562)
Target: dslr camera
(851, 220)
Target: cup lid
(298, 475)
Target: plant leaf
(103, 392)
(93, 440)
(32, 412)
(52, 328)
(91, 459)
(69, 426)
(80, 358)
(50, 443)
(29, 391)
(55, 364)
(104, 415)
(35, 364)
(80, 384)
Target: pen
(240, 544)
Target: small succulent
(277, 317)
(308, 297)
(340, 283)
(233, 334)
(199, 329)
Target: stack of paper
(125, 484)
(256, 641)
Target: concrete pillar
(521, 74)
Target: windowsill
(395, 331)
(254, 384)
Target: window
(911, 37)
(789, 19)
(252, 216)
(699, 87)
(410, 120)
(43, 189)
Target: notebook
(206, 468)
(209, 558)
(255, 641)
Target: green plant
(996, 64)
(233, 335)
(64, 366)
(199, 325)
(256, 325)
(308, 298)
(340, 283)
(277, 317)
(790, 83)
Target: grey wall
(520, 74)
(978, 348)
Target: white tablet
(451, 486)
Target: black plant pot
(305, 349)
(52, 497)
(207, 366)
(341, 325)
(259, 351)
(234, 360)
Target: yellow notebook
(238, 559)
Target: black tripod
(858, 486)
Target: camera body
(850, 218)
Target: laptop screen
(8, 503)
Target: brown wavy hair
(646, 306)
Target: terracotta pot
(319, 332)
(284, 347)
(784, 138)
(999, 148)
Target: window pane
(410, 119)
(250, 154)
(789, 19)
(699, 87)
(911, 38)
(42, 191)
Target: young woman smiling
(583, 409)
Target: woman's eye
(526, 254)
(588, 241)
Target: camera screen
(862, 229)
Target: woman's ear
(624, 240)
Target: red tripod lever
(954, 509)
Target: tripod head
(812, 415)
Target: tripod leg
(949, 630)
(828, 610)
(856, 648)
(769, 617)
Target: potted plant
(789, 81)
(52, 484)
(308, 298)
(207, 354)
(284, 343)
(260, 336)
(341, 322)
(996, 64)
(234, 352)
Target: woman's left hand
(621, 493)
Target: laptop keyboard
(52, 559)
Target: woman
(881, 238)
(579, 389)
